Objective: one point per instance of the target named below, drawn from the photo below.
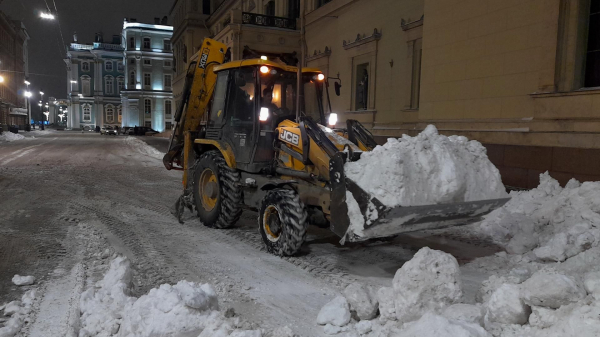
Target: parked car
(106, 130)
(141, 131)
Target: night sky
(86, 17)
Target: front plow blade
(396, 220)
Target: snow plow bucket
(391, 221)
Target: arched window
(109, 85)
(132, 80)
(147, 106)
(87, 113)
(110, 113)
(86, 86)
(85, 66)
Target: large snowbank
(143, 148)
(10, 137)
(427, 169)
(184, 309)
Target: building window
(147, 80)
(87, 113)
(167, 81)
(293, 9)
(110, 114)
(147, 62)
(415, 87)
(120, 67)
(168, 126)
(108, 66)
(120, 113)
(86, 86)
(362, 86)
(120, 84)
(592, 63)
(146, 43)
(168, 63)
(109, 86)
(166, 45)
(132, 79)
(322, 2)
(168, 107)
(132, 61)
(132, 42)
(148, 124)
(147, 106)
(270, 8)
(85, 66)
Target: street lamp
(1, 79)
(27, 83)
(28, 94)
(47, 16)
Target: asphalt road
(61, 189)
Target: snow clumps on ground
(183, 309)
(143, 148)
(23, 280)
(427, 169)
(422, 302)
(10, 137)
(18, 313)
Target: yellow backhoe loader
(241, 142)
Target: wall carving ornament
(362, 39)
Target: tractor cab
(251, 98)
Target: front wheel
(217, 191)
(282, 222)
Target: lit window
(120, 113)
(147, 106)
(108, 66)
(146, 43)
(168, 107)
(87, 113)
(167, 81)
(147, 79)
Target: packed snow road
(69, 200)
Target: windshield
(279, 94)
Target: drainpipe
(299, 87)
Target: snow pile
(556, 223)
(10, 137)
(421, 303)
(427, 169)
(23, 280)
(143, 148)
(19, 314)
(184, 309)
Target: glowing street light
(27, 83)
(1, 79)
(47, 16)
(28, 94)
(40, 103)
(74, 82)
(42, 93)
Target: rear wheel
(217, 194)
(282, 222)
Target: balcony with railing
(268, 21)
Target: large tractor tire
(282, 222)
(217, 194)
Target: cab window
(218, 106)
(240, 103)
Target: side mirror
(337, 86)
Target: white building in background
(147, 99)
(95, 78)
